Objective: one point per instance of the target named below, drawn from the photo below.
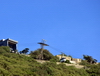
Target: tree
(25, 51)
(89, 59)
(46, 54)
(94, 61)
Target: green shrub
(67, 61)
(4, 49)
(54, 59)
(94, 70)
(37, 54)
(84, 62)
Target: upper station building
(9, 42)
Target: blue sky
(69, 26)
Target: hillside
(12, 64)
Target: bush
(67, 61)
(46, 54)
(54, 59)
(84, 62)
(94, 70)
(4, 49)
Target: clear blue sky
(70, 26)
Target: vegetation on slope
(46, 55)
(12, 64)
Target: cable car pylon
(42, 47)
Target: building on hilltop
(66, 57)
(9, 42)
(72, 60)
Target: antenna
(43, 40)
(62, 54)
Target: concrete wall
(76, 60)
(73, 62)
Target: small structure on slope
(9, 42)
(72, 60)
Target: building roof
(10, 40)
